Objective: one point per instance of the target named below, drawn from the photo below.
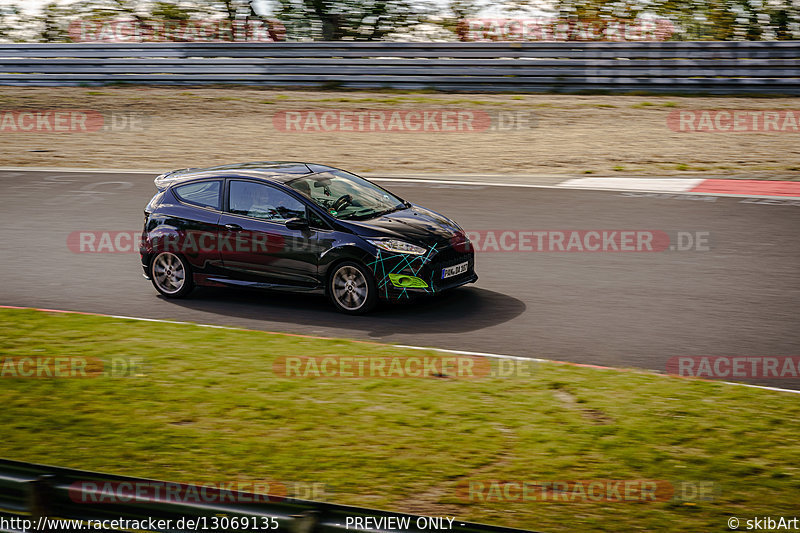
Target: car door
(256, 245)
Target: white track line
(83, 170)
(477, 354)
(177, 322)
(467, 182)
(404, 346)
(634, 184)
(760, 387)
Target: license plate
(455, 270)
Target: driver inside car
(261, 205)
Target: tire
(171, 275)
(352, 288)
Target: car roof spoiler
(163, 181)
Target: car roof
(276, 171)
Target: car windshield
(346, 196)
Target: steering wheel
(342, 202)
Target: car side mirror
(297, 223)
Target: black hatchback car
(298, 227)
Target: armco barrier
(758, 67)
(33, 491)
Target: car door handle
(233, 227)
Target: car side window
(200, 193)
(263, 201)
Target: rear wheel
(171, 275)
(352, 288)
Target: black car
(298, 227)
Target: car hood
(415, 224)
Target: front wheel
(171, 275)
(352, 288)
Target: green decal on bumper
(407, 282)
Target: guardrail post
(40, 498)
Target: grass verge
(209, 408)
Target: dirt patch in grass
(569, 135)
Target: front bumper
(425, 268)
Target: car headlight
(398, 247)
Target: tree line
(421, 20)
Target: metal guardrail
(32, 491)
(758, 67)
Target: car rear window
(200, 193)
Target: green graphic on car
(403, 281)
(400, 270)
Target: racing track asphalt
(740, 298)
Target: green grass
(642, 105)
(209, 409)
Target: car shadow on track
(460, 310)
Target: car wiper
(356, 214)
(390, 210)
(369, 213)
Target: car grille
(452, 256)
